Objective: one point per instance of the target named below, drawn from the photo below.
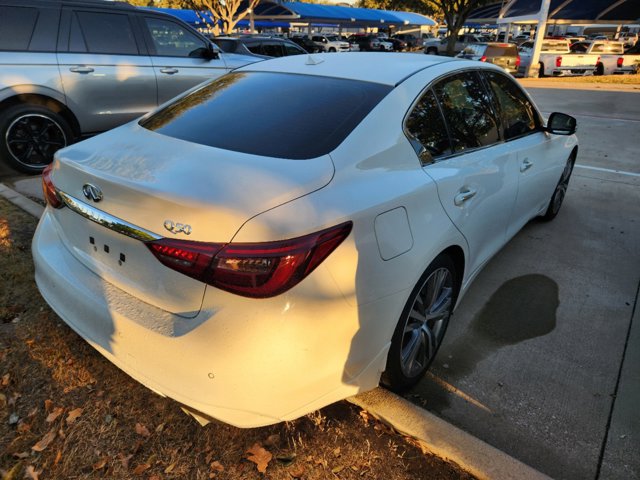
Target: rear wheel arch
(44, 101)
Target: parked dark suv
(74, 68)
(504, 55)
(259, 45)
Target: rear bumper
(245, 362)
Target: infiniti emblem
(92, 192)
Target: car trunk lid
(168, 188)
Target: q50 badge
(176, 228)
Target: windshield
(271, 114)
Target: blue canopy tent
(280, 14)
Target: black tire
(431, 51)
(560, 191)
(402, 372)
(541, 71)
(30, 135)
(332, 50)
(599, 69)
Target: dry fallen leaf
(297, 471)
(31, 473)
(170, 468)
(140, 469)
(21, 455)
(337, 469)
(23, 427)
(100, 464)
(160, 428)
(216, 466)
(73, 415)
(336, 452)
(47, 405)
(58, 458)
(142, 430)
(54, 414)
(45, 441)
(6, 378)
(155, 477)
(260, 457)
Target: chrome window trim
(106, 220)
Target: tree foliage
(455, 14)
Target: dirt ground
(67, 413)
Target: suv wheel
(30, 135)
(432, 51)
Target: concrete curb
(443, 439)
(21, 201)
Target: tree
(223, 12)
(455, 13)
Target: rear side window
(107, 33)
(270, 114)
(426, 128)
(466, 106)
(16, 27)
(516, 111)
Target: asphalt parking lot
(532, 359)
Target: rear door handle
(169, 71)
(464, 195)
(81, 69)
(526, 165)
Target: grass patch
(68, 413)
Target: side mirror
(561, 124)
(211, 52)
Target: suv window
(467, 110)
(173, 40)
(292, 49)
(516, 111)
(107, 33)
(426, 127)
(267, 114)
(16, 27)
(272, 49)
(509, 50)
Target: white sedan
(296, 231)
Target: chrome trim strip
(106, 220)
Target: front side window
(173, 40)
(267, 114)
(292, 49)
(107, 33)
(272, 49)
(425, 127)
(467, 110)
(516, 111)
(16, 27)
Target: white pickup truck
(597, 57)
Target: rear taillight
(483, 58)
(256, 270)
(558, 61)
(620, 62)
(518, 61)
(49, 189)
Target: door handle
(526, 165)
(169, 71)
(463, 196)
(81, 69)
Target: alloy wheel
(426, 322)
(32, 139)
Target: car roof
(386, 68)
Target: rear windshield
(474, 50)
(501, 51)
(270, 114)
